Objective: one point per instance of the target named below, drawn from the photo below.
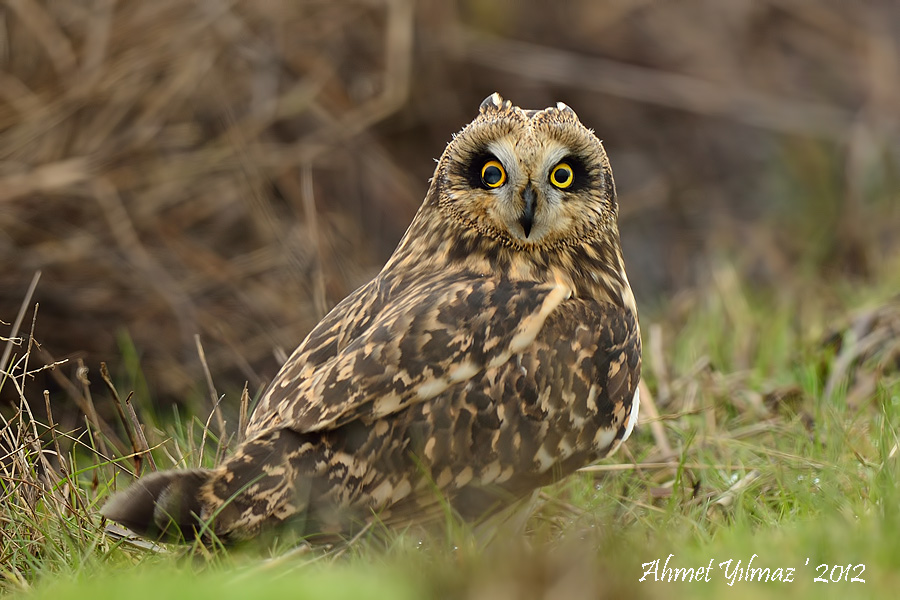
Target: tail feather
(264, 483)
(162, 506)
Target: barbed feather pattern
(487, 359)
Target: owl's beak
(526, 220)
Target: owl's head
(529, 179)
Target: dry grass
(742, 414)
(198, 182)
(233, 169)
(158, 168)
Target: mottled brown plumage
(497, 351)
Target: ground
(771, 468)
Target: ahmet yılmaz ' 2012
(703, 573)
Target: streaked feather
(484, 360)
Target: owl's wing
(437, 334)
(349, 319)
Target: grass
(184, 170)
(777, 441)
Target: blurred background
(234, 168)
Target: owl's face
(529, 179)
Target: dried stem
(136, 449)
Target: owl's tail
(261, 484)
(161, 506)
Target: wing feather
(438, 334)
(562, 402)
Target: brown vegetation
(232, 169)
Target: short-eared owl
(497, 351)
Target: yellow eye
(492, 174)
(562, 176)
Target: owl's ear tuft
(494, 102)
(566, 109)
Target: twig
(655, 466)
(652, 418)
(104, 374)
(352, 541)
(85, 401)
(14, 331)
(307, 194)
(52, 426)
(243, 415)
(726, 498)
(213, 394)
(206, 430)
(25, 359)
(64, 469)
(778, 454)
(139, 430)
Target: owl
(497, 351)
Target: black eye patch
(581, 176)
(474, 167)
